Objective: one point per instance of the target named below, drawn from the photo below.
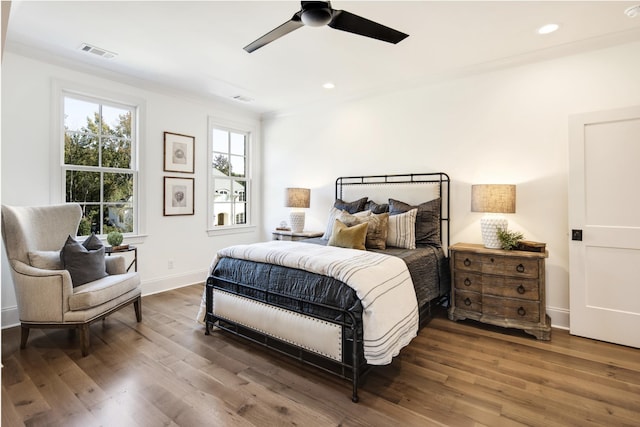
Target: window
(229, 201)
(99, 166)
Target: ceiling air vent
(242, 98)
(97, 51)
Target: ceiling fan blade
(293, 24)
(346, 21)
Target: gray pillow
(427, 220)
(84, 265)
(351, 207)
(376, 208)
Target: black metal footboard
(353, 365)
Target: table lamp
(494, 200)
(297, 198)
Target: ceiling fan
(319, 13)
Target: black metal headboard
(437, 182)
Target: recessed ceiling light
(328, 85)
(547, 29)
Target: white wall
(27, 142)
(507, 126)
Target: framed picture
(178, 196)
(179, 152)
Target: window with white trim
(99, 166)
(229, 177)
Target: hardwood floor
(165, 371)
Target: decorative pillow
(47, 260)
(84, 265)
(92, 242)
(427, 219)
(351, 207)
(348, 237)
(343, 216)
(377, 230)
(401, 232)
(376, 208)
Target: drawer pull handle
(521, 290)
(467, 301)
(492, 260)
(522, 311)
(467, 282)
(467, 262)
(520, 268)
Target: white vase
(489, 227)
(297, 221)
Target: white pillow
(342, 216)
(402, 230)
(47, 260)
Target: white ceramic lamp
(494, 200)
(297, 198)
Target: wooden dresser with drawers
(498, 287)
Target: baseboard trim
(10, 317)
(559, 317)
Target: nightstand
(290, 235)
(498, 287)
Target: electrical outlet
(170, 264)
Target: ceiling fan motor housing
(316, 14)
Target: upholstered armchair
(45, 292)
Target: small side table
(108, 250)
(291, 236)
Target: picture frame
(179, 152)
(178, 196)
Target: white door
(604, 207)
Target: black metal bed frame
(356, 367)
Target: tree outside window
(99, 165)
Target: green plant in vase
(509, 239)
(114, 238)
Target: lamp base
(489, 227)
(296, 219)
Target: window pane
(237, 166)
(80, 149)
(118, 217)
(82, 186)
(116, 153)
(116, 121)
(118, 187)
(220, 141)
(222, 214)
(239, 194)
(78, 113)
(221, 190)
(89, 223)
(239, 205)
(220, 164)
(237, 144)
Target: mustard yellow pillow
(348, 237)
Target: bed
(324, 303)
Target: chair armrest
(42, 295)
(115, 265)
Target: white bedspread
(382, 282)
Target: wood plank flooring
(166, 372)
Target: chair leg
(24, 335)
(84, 339)
(137, 305)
